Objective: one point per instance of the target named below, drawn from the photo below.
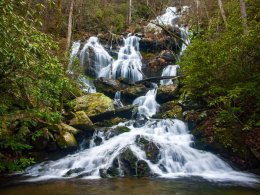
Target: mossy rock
(171, 109)
(92, 104)
(62, 127)
(81, 121)
(122, 129)
(66, 140)
(151, 149)
(167, 93)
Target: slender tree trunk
(223, 14)
(244, 16)
(197, 13)
(129, 12)
(70, 25)
(59, 17)
(147, 2)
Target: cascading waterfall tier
(175, 157)
(170, 70)
(129, 62)
(94, 57)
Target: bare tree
(244, 16)
(70, 25)
(129, 12)
(223, 14)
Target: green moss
(92, 104)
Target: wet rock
(92, 104)
(110, 123)
(108, 86)
(157, 64)
(62, 127)
(167, 93)
(81, 121)
(133, 92)
(98, 140)
(73, 172)
(151, 149)
(131, 166)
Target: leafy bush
(221, 67)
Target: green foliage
(221, 67)
(32, 82)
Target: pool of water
(119, 186)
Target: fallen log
(154, 79)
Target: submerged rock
(92, 104)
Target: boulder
(66, 140)
(133, 92)
(151, 149)
(92, 104)
(167, 93)
(129, 165)
(81, 121)
(108, 86)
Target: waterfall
(86, 85)
(117, 100)
(170, 70)
(94, 56)
(129, 62)
(74, 52)
(176, 156)
(147, 105)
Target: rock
(131, 166)
(81, 121)
(171, 109)
(92, 104)
(108, 86)
(167, 93)
(167, 56)
(109, 123)
(133, 92)
(66, 141)
(157, 64)
(73, 172)
(151, 150)
(124, 112)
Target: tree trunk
(244, 16)
(70, 25)
(129, 12)
(59, 17)
(198, 17)
(222, 12)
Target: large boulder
(129, 164)
(131, 93)
(66, 140)
(167, 93)
(92, 104)
(108, 86)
